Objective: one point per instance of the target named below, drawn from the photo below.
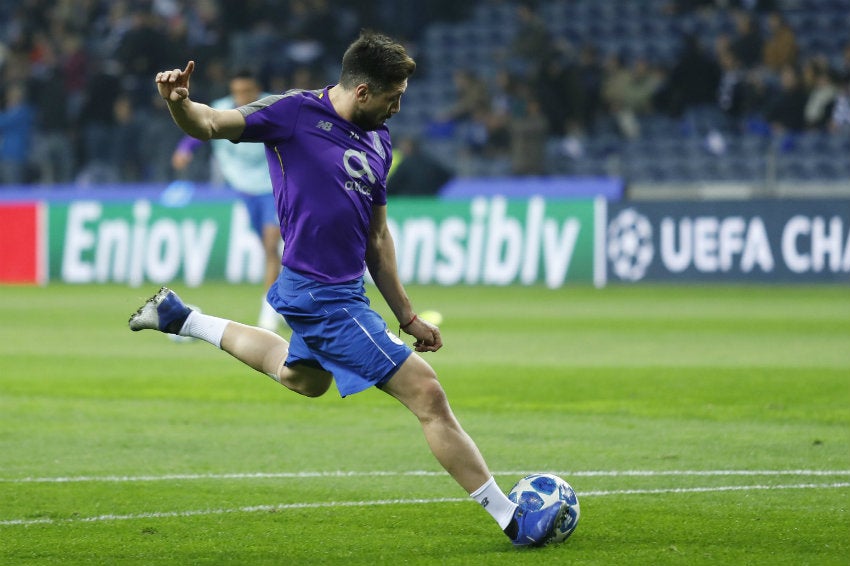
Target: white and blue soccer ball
(539, 491)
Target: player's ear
(362, 92)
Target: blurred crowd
(77, 102)
(78, 105)
(752, 77)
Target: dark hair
(244, 73)
(376, 60)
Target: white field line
(332, 504)
(421, 473)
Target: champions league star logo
(630, 248)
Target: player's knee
(432, 403)
(313, 384)
(309, 388)
(314, 389)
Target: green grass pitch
(698, 425)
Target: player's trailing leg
(261, 349)
(167, 313)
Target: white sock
(495, 502)
(269, 318)
(205, 327)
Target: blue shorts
(262, 211)
(334, 326)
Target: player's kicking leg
(263, 350)
(416, 386)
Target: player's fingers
(168, 76)
(429, 346)
(190, 66)
(436, 341)
(178, 94)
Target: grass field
(698, 426)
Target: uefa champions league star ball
(539, 491)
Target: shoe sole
(153, 302)
(558, 519)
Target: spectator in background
(629, 92)
(472, 96)
(159, 137)
(732, 88)
(304, 78)
(532, 47)
(143, 49)
(211, 83)
(692, 80)
(614, 86)
(16, 128)
(126, 158)
(52, 152)
(840, 119)
(785, 110)
(472, 109)
(590, 75)
(313, 34)
(558, 88)
(415, 172)
(74, 62)
(528, 134)
(96, 121)
(746, 43)
(780, 47)
(842, 69)
(504, 98)
(822, 92)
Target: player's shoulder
(295, 96)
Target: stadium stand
(651, 90)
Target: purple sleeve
(271, 118)
(188, 144)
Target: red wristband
(409, 322)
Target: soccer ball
(539, 491)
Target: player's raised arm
(196, 119)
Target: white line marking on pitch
(376, 473)
(285, 506)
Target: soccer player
(244, 168)
(329, 152)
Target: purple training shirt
(327, 173)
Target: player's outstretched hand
(173, 85)
(427, 336)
